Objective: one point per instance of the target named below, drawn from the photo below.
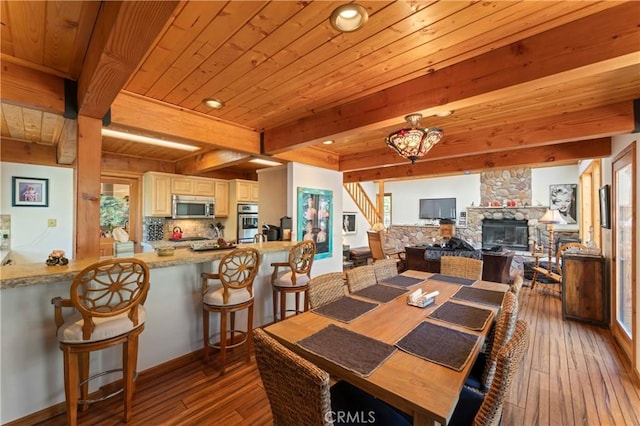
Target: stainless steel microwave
(192, 207)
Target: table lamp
(551, 217)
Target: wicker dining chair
(360, 278)
(299, 392)
(483, 371)
(462, 267)
(517, 285)
(385, 269)
(478, 409)
(107, 299)
(325, 288)
(236, 272)
(292, 277)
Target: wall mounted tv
(438, 208)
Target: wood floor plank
(571, 374)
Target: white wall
(272, 199)
(541, 178)
(31, 239)
(301, 175)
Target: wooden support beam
(123, 33)
(533, 157)
(210, 161)
(134, 165)
(68, 143)
(589, 46)
(14, 151)
(88, 188)
(579, 125)
(137, 112)
(27, 87)
(311, 156)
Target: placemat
(479, 295)
(345, 309)
(381, 293)
(442, 345)
(350, 350)
(452, 280)
(402, 281)
(464, 315)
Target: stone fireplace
(507, 233)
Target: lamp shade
(552, 216)
(414, 142)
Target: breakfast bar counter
(32, 369)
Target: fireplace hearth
(507, 233)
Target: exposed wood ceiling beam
(312, 156)
(134, 165)
(210, 161)
(589, 40)
(579, 125)
(123, 33)
(28, 87)
(14, 151)
(67, 148)
(141, 113)
(536, 156)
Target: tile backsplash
(158, 228)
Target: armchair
(379, 251)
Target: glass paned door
(624, 256)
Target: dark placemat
(380, 293)
(345, 309)
(452, 280)
(464, 315)
(350, 350)
(402, 281)
(479, 295)
(442, 345)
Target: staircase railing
(364, 203)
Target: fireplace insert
(507, 233)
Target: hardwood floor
(572, 374)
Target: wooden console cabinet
(585, 292)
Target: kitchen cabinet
(585, 293)
(246, 191)
(221, 193)
(156, 192)
(189, 185)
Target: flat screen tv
(438, 208)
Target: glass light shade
(414, 142)
(552, 216)
(348, 17)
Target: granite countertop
(39, 273)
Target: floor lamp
(551, 217)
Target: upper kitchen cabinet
(246, 191)
(221, 193)
(189, 185)
(156, 193)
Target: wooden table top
(426, 390)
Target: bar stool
(293, 277)
(107, 297)
(236, 272)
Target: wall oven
(247, 222)
(192, 207)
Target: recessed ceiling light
(265, 162)
(328, 142)
(348, 17)
(443, 113)
(150, 141)
(213, 103)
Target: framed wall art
(605, 203)
(349, 223)
(29, 192)
(315, 214)
(562, 197)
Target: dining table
(428, 391)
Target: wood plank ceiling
(529, 82)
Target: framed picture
(29, 192)
(315, 213)
(349, 222)
(562, 197)
(605, 203)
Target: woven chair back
(360, 278)
(238, 269)
(376, 244)
(285, 374)
(385, 269)
(517, 285)
(462, 267)
(509, 359)
(325, 288)
(109, 288)
(502, 332)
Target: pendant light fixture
(414, 141)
